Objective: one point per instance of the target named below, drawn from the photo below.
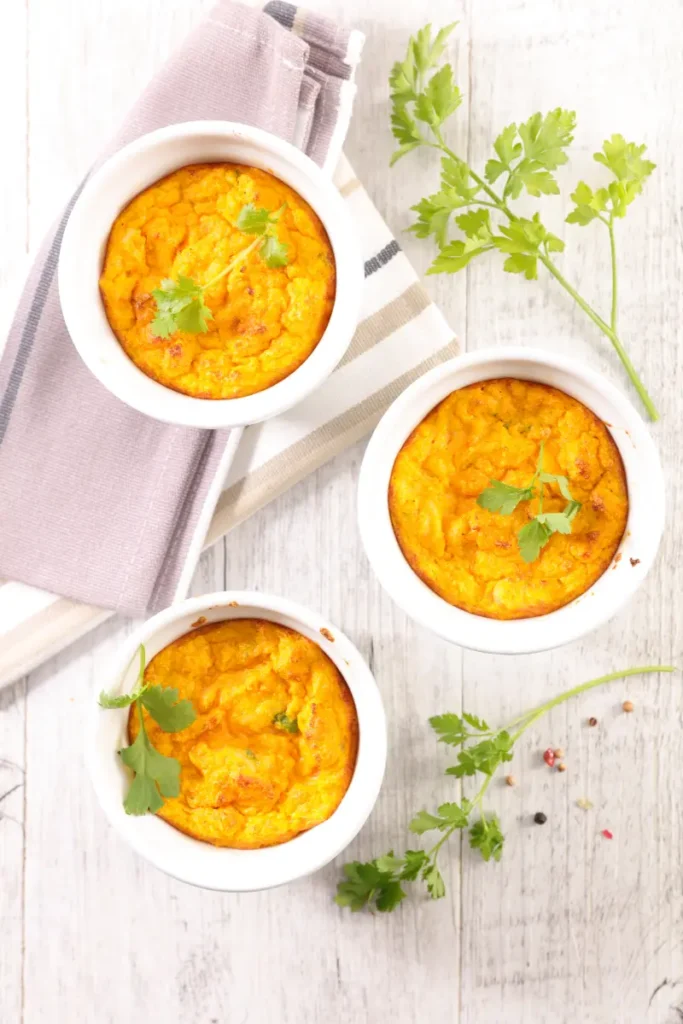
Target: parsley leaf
(487, 837)
(557, 522)
(588, 204)
(625, 160)
(424, 822)
(414, 862)
(180, 307)
(561, 481)
(526, 241)
(545, 138)
(456, 193)
(366, 883)
(440, 99)
(450, 728)
(448, 816)
(427, 51)
(274, 253)
(435, 883)
(389, 863)
(483, 757)
(476, 723)
(156, 776)
(253, 221)
(433, 216)
(529, 163)
(475, 224)
(507, 149)
(503, 498)
(531, 538)
(456, 255)
(168, 712)
(282, 720)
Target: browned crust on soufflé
(493, 430)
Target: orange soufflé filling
(266, 320)
(273, 748)
(470, 556)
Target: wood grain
(570, 927)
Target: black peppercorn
(540, 818)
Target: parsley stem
(138, 704)
(539, 470)
(606, 329)
(480, 796)
(234, 262)
(613, 254)
(527, 719)
(433, 852)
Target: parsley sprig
(181, 305)
(504, 499)
(423, 96)
(483, 750)
(155, 776)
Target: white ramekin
(121, 178)
(631, 563)
(200, 863)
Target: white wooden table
(569, 927)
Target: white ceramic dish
(200, 863)
(139, 165)
(615, 586)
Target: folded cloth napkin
(101, 503)
(400, 335)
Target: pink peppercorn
(549, 757)
(606, 833)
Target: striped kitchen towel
(401, 334)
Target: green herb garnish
(504, 499)
(423, 96)
(180, 304)
(155, 775)
(379, 882)
(285, 722)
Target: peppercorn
(559, 752)
(561, 767)
(540, 818)
(592, 721)
(627, 705)
(549, 757)
(510, 780)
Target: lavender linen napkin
(100, 503)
